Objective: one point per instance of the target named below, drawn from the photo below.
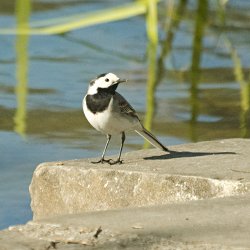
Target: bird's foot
(102, 160)
(118, 161)
(167, 150)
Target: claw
(102, 160)
(118, 161)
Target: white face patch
(102, 82)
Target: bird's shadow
(184, 154)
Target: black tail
(151, 139)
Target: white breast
(108, 122)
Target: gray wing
(124, 106)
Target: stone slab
(147, 177)
(221, 223)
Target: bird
(111, 114)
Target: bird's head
(104, 82)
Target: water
(40, 111)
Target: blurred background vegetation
(187, 62)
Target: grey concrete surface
(197, 197)
(147, 177)
(221, 223)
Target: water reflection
(171, 17)
(152, 32)
(156, 65)
(156, 62)
(23, 9)
(244, 82)
(195, 70)
(171, 24)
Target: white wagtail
(108, 112)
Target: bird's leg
(102, 160)
(119, 161)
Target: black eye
(106, 80)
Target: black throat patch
(100, 101)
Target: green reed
(23, 10)
(64, 24)
(155, 63)
(244, 82)
(195, 71)
(152, 32)
(61, 25)
(156, 68)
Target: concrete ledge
(220, 224)
(153, 201)
(148, 177)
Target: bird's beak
(121, 80)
